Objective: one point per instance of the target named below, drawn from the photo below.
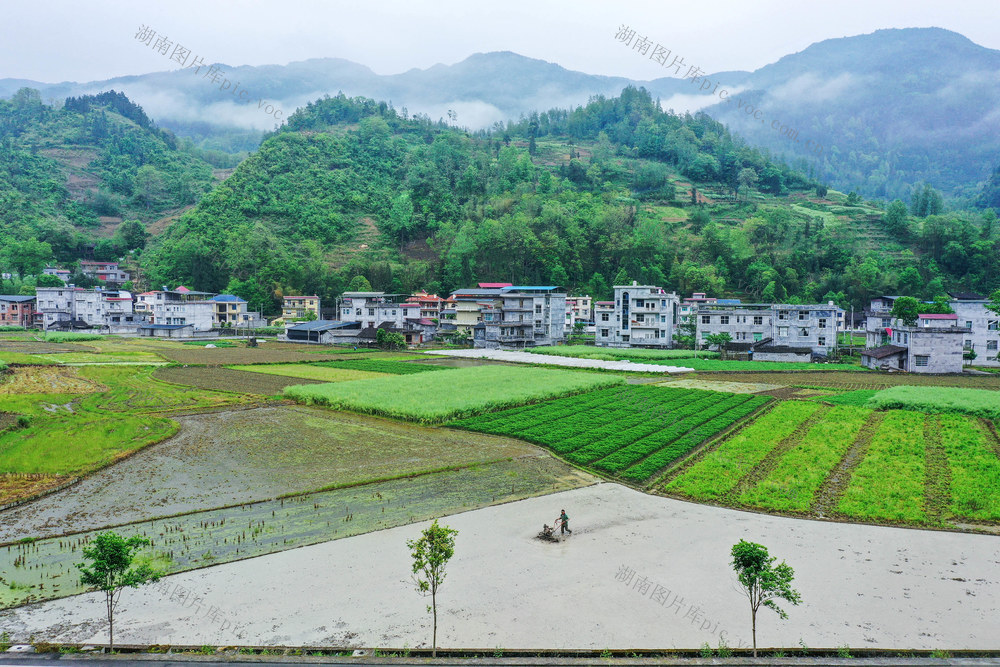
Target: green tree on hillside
(906, 309)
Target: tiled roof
(882, 352)
(227, 297)
(938, 316)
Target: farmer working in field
(563, 522)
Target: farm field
(945, 399)
(217, 378)
(851, 462)
(436, 397)
(222, 535)
(75, 433)
(46, 380)
(266, 353)
(391, 366)
(244, 456)
(632, 432)
(857, 381)
(704, 361)
(310, 372)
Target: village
(507, 316)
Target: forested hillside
(583, 198)
(71, 176)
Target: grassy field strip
(828, 495)
(45, 568)
(663, 457)
(889, 481)
(974, 468)
(721, 469)
(937, 478)
(310, 372)
(979, 402)
(794, 481)
(390, 366)
(437, 397)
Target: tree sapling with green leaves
(762, 581)
(109, 568)
(431, 554)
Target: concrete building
(579, 309)
(644, 316)
(104, 271)
(983, 325)
(430, 305)
(324, 332)
(604, 319)
(298, 307)
(17, 310)
(73, 307)
(464, 308)
(919, 349)
(231, 311)
(186, 311)
(522, 316)
(786, 325)
(372, 309)
(61, 274)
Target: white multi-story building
(104, 271)
(74, 307)
(812, 326)
(983, 337)
(643, 316)
(374, 308)
(177, 312)
(522, 316)
(579, 309)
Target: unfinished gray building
(812, 326)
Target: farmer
(563, 522)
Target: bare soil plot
(268, 353)
(227, 379)
(309, 372)
(15, 487)
(26, 346)
(639, 571)
(246, 455)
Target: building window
(758, 319)
(723, 319)
(538, 309)
(604, 333)
(640, 317)
(803, 333)
(625, 338)
(783, 331)
(604, 317)
(922, 360)
(991, 345)
(968, 344)
(706, 319)
(663, 319)
(822, 324)
(757, 337)
(886, 322)
(782, 315)
(821, 342)
(968, 324)
(803, 314)
(991, 325)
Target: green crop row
(793, 482)
(889, 481)
(721, 469)
(974, 468)
(68, 336)
(381, 366)
(662, 458)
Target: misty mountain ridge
(890, 108)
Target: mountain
(889, 109)
(614, 190)
(70, 176)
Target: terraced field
(853, 463)
(632, 433)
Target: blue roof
(728, 302)
(227, 297)
(16, 298)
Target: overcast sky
(83, 40)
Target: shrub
(70, 336)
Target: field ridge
(937, 480)
(760, 471)
(829, 494)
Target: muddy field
(267, 353)
(246, 455)
(46, 568)
(227, 379)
